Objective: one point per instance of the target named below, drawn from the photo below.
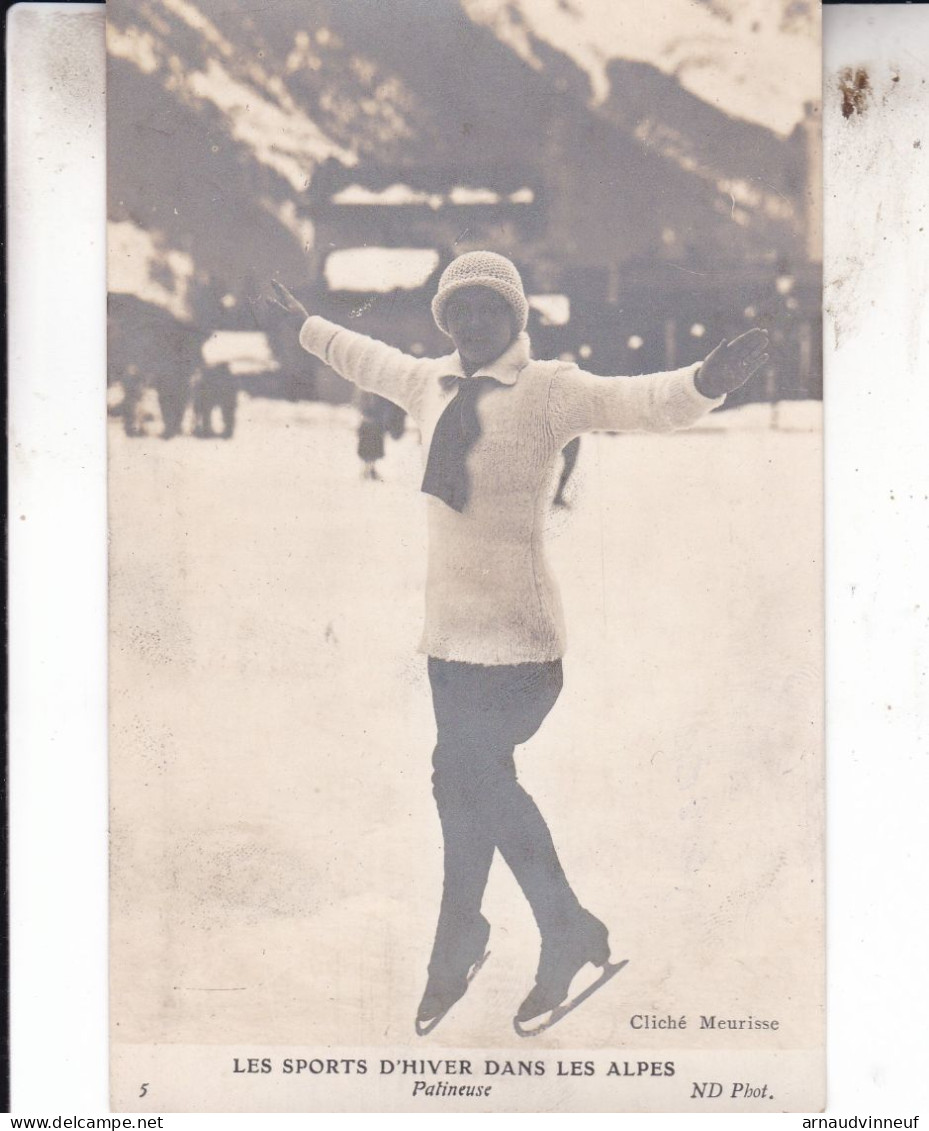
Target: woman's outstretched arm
(658, 402)
(366, 362)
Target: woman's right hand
(286, 301)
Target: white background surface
(877, 554)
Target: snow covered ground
(275, 851)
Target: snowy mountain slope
(222, 115)
(752, 59)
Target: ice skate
(449, 978)
(561, 960)
(533, 1025)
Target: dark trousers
(482, 713)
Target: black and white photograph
(464, 421)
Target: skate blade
(561, 1011)
(423, 1029)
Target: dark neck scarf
(456, 433)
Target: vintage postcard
(466, 615)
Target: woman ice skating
(494, 421)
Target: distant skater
(215, 388)
(493, 423)
(173, 389)
(379, 418)
(569, 456)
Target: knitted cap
(481, 269)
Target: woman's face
(480, 323)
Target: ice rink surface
(276, 856)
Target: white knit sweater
(490, 598)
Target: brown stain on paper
(855, 88)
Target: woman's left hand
(731, 364)
(286, 301)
